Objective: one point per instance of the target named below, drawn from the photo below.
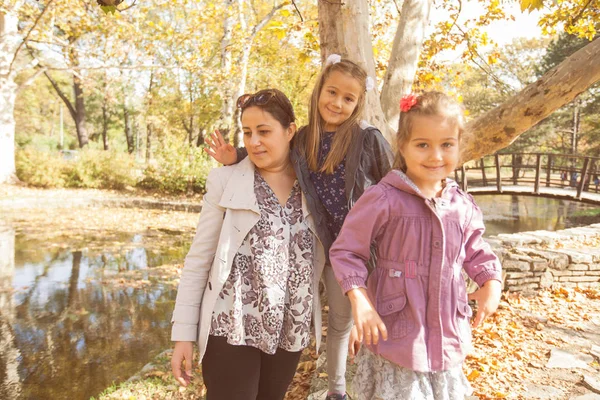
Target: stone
(591, 383)
(521, 281)
(561, 273)
(540, 264)
(578, 267)
(515, 265)
(592, 273)
(546, 280)
(595, 267)
(564, 359)
(579, 279)
(535, 391)
(519, 275)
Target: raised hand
(182, 354)
(220, 150)
(487, 298)
(367, 321)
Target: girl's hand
(182, 353)
(367, 322)
(220, 150)
(487, 298)
(353, 343)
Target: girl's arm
(483, 266)
(349, 256)
(382, 155)
(222, 151)
(198, 262)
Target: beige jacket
(229, 212)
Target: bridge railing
(580, 173)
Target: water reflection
(512, 213)
(66, 335)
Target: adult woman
(249, 287)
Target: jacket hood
(401, 181)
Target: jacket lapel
(239, 189)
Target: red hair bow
(407, 102)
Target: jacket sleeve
(350, 252)
(383, 157)
(481, 264)
(241, 154)
(198, 263)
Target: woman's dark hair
(272, 101)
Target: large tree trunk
(404, 58)
(499, 127)
(344, 29)
(227, 110)
(9, 42)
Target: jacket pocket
(396, 316)
(464, 314)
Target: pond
(74, 322)
(512, 213)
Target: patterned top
(267, 299)
(331, 188)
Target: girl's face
(267, 141)
(431, 152)
(338, 99)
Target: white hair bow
(369, 83)
(333, 59)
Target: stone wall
(540, 259)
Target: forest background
(123, 96)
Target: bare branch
(299, 13)
(37, 20)
(127, 8)
(31, 79)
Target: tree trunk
(149, 126)
(9, 42)
(344, 30)
(128, 130)
(404, 58)
(575, 133)
(105, 125)
(227, 92)
(499, 127)
(80, 124)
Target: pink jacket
(417, 288)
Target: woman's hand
(182, 353)
(487, 298)
(220, 150)
(367, 322)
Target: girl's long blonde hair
(432, 103)
(345, 132)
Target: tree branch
(37, 20)
(61, 95)
(31, 79)
(298, 11)
(265, 20)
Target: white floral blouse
(267, 299)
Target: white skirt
(379, 379)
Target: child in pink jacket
(425, 231)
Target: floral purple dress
(267, 299)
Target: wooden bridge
(562, 176)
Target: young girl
(425, 230)
(247, 291)
(336, 157)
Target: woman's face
(267, 141)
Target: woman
(249, 287)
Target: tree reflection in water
(66, 335)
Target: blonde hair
(345, 132)
(428, 104)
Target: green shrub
(39, 168)
(177, 168)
